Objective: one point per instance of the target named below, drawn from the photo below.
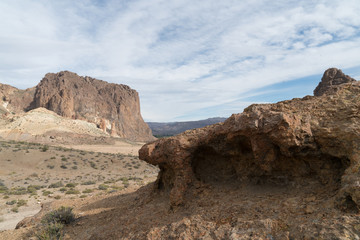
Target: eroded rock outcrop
(115, 108)
(331, 78)
(97, 101)
(15, 100)
(290, 142)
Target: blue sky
(187, 59)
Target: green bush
(53, 223)
(72, 191)
(88, 183)
(103, 187)
(45, 148)
(56, 185)
(62, 215)
(50, 231)
(71, 185)
(21, 202)
(15, 209)
(12, 202)
(87, 191)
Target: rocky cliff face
(115, 108)
(108, 105)
(313, 139)
(16, 100)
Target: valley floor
(33, 174)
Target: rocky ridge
(115, 108)
(313, 141)
(173, 128)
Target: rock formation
(331, 78)
(16, 100)
(289, 142)
(83, 98)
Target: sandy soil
(120, 146)
(39, 174)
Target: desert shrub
(34, 175)
(74, 167)
(33, 188)
(12, 202)
(21, 202)
(103, 187)
(83, 196)
(63, 189)
(50, 166)
(56, 185)
(62, 215)
(15, 209)
(50, 231)
(46, 193)
(64, 159)
(88, 183)
(72, 191)
(87, 191)
(18, 191)
(63, 166)
(44, 148)
(93, 165)
(53, 223)
(109, 181)
(70, 185)
(3, 189)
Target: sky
(188, 60)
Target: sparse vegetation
(103, 187)
(72, 191)
(44, 148)
(15, 209)
(87, 191)
(89, 183)
(53, 223)
(70, 185)
(21, 202)
(56, 185)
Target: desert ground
(34, 174)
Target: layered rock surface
(287, 143)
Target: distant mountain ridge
(172, 128)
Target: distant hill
(172, 128)
(115, 108)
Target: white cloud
(185, 58)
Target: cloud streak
(187, 59)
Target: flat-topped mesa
(332, 77)
(86, 98)
(313, 139)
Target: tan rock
(312, 137)
(84, 98)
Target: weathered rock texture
(331, 78)
(86, 98)
(16, 100)
(115, 108)
(290, 142)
